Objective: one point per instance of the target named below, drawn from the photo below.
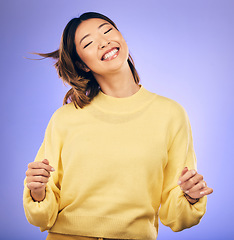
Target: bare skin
(94, 38)
(193, 185)
(113, 75)
(38, 175)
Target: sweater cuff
(37, 213)
(198, 207)
(27, 198)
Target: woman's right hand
(37, 176)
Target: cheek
(125, 50)
(124, 44)
(87, 56)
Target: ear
(82, 66)
(86, 69)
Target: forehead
(88, 26)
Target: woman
(114, 154)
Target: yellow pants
(56, 236)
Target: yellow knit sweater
(117, 162)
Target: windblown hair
(84, 86)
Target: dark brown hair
(84, 86)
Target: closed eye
(87, 44)
(108, 30)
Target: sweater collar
(123, 105)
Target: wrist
(190, 199)
(38, 196)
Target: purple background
(182, 49)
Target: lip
(112, 57)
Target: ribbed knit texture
(116, 161)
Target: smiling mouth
(113, 53)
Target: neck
(118, 84)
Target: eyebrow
(89, 34)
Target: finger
(186, 176)
(36, 165)
(37, 172)
(35, 185)
(206, 191)
(39, 179)
(191, 182)
(201, 193)
(198, 187)
(45, 161)
(184, 171)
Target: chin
(118, 66)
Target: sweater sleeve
(175, 211)
(43, 214)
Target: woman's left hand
(192, 184)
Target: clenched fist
(193, 185)
(37, 176)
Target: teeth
(110, 54)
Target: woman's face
(101, 46)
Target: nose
(103, 43)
